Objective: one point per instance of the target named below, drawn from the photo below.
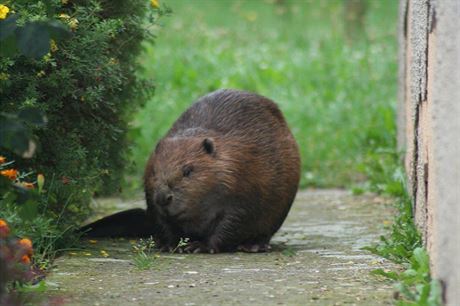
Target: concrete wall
(429, 128)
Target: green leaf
(405, 291)
(422, 259)
(40, 287)
(28, 211)
(34, 39)
(390, 274)
(50, 7)
(435, 297)
(423, 291)
(409, 273)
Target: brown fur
(225, 175)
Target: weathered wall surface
(429, 128)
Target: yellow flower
(53, 46)
(47, 57)
(2, 159)
(40, 182)
(41, 73)
(4, 76)
(64, 16)
(4, 10)
(155, 4)
(12, 174)
(73, 23)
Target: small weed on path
(289, 251)
(183, 242)
(143, 249)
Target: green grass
(403, 243)
(415, 285)
(338, 95)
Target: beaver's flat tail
(128, 223)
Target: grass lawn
(336, 87)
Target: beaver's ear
(208, 145)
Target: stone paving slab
(316, 260)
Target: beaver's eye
(187, 170)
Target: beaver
(224, 176)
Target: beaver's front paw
(200, 247)
(254, 247)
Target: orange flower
(2, 159)
(4, 229)
(12, 174)
(25, 259)
(28, 185)
(27, 245)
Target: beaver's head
(182, 175)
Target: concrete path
(317, 260)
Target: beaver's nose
(163, 199)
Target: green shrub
(87, 88)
